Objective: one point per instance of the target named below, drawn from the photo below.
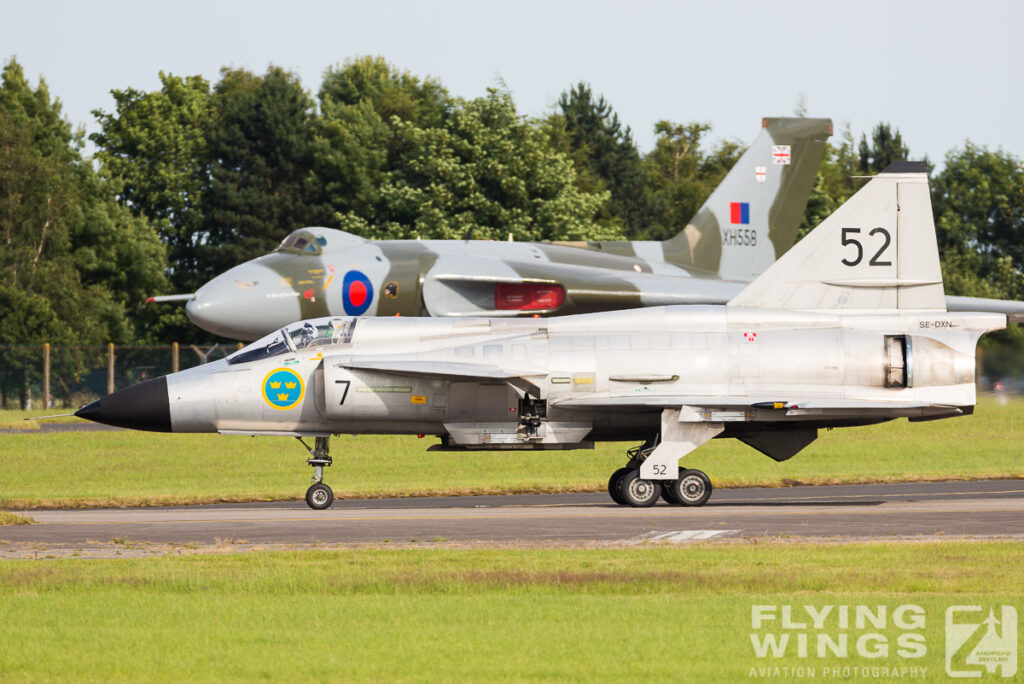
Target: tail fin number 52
(848, 240)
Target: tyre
(319, 497)
(668, 494)
(637, 492)
(693, 488)
(613, 485)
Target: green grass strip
(637, 614)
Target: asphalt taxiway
(992, 508)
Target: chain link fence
(68, 376)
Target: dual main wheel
(692, 488)
(613, 485)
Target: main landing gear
(319, 496)
(691, 488)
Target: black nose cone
(140, 407)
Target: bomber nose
(217, 307)
(206, 311)
(244, 303)
(144, 406)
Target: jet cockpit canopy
(298, 336)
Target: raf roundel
(356, 293)
(283, 389)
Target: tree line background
(194, 178)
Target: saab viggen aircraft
(849, 327)
(748, 222)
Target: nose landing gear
(319, 496)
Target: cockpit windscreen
(298, 336)
(302, 242)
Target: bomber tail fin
(876, 251)
(752, 217)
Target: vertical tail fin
(752, 217)
(876, 251)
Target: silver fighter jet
(848, 328)
(749, 221)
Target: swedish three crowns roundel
(283, 388)
(356, 293)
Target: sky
(940, 71)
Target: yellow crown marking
(282, 397)
(290, 385)
(275, 385)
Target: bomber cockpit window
(302, 242)
(302, 335)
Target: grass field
(123, 468)
(638, 614)
(14, 519)
(25, 420)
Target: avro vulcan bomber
(849, 327)
(748, 221)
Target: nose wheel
(319, 496)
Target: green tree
(153, 147)
(835, 181)
(486, 171)
(262, 139)
(602, 149)
(71, 253)
(361, 104)
(681, 174)
(845, 164)
(978, 201)
(885, 148)
(66, 238)
(351, 153)
(25, 318)
(389, 91)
